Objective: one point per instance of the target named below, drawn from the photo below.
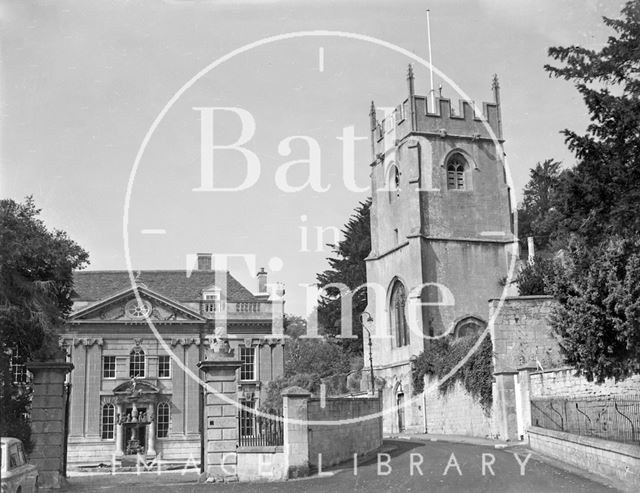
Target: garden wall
(330, 430)
(563, 383)
(356, 433)
(454, 413)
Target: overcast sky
(82, 82)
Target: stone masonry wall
(522, 334)
(618, 462)
(563, 382)
(339, 443)
(455, 413)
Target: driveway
(409, 465)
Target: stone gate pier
(220, 413)
(48, 421)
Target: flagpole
(432, 91)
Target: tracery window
(397, 303)
(456, 170)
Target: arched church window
(162, 420)
(108, 421)
(469, 326)
(456, 173)
(393, 181)
(136, 363)
(397, 302)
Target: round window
(136, 310)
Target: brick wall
(562, 382)
(455, 413)
(339, 443)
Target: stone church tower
(441, 234)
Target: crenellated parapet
(414, 115)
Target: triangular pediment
(125, 307)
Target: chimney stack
(262, 281)
(204, 261)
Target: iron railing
(615, 419)
(260, 431)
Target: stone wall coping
(346, 398)
(296, 391)
(553, 370)
(627, 449)
(505, 372)
(49, 365)
(524, 298)
(207, 364)
(277, 449)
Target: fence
(615, 419)
(260, 431)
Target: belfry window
(397, 303)
(136, 363)
(108, 421)
(162, 420)
(456, 173)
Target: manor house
(133, 394)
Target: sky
(83, 82)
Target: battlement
(413, 116)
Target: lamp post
(367, 321)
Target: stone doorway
(134, 439)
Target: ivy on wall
(476, 375)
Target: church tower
(441, 233)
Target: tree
(347, 267)
(36, 282)
(538, 215)
(322, 357)
(294, 325)
(534, 278)
(601, 194)
(598, 317)
(308, 362)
